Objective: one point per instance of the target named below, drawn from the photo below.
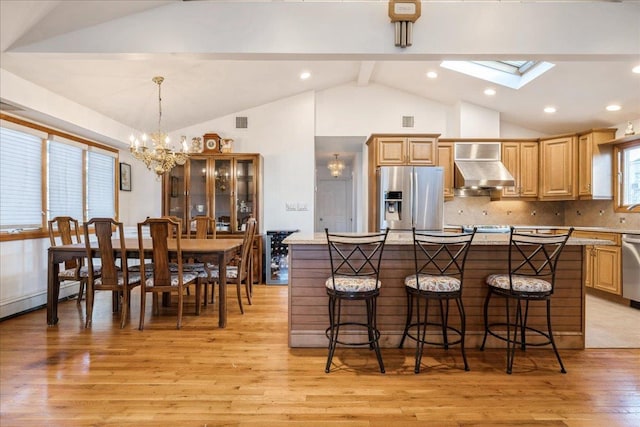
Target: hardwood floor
(246, 375)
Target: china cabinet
(226, 187)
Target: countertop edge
(404, 238)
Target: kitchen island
(309, 268)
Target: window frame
(619, 175)
(43, 231)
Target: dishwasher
(631, 268)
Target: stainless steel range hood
(479, 169)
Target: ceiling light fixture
(636, 69)
(550, 110)
(613, 107)
(159, 158)
(403, 14)
(489, 91)
(432, 74)
(336, 167)
(305, 75)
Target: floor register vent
(242, 122)
(407, 121)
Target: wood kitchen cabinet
(558, 166)
(445, 159)
(405, 150)
(226, 187)
(521, 159)
(602, 263)
(595, 164)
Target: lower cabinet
(603, 262)
(606, 269)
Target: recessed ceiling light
(489, 91)
(432, 74)
(636, 69)
(613, 107)
(550, 110)
(305, 75)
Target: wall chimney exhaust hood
(478, 169)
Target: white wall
(362, 110)
(283, 132)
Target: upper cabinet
(404, 150)
(445, 159)
(558, 163)
(521, 159)
(224, 186)
(595, 164)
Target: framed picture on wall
(125, 177)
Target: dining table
(216, 251)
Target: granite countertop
(405, 238)
(597, 229)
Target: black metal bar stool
(439, 272)
(531, 277)
(355, 276)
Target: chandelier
(159, 158)
(336, 167)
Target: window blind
(100, 185)
(20, 180)
(65, 181)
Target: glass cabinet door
(176, 195)
(223, 194)
(245, 192)
(197, 188)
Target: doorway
(334, 205)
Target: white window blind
(20, 180)
(65, 180)
(100, 185)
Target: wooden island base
(309, 268)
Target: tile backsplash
(587, 213)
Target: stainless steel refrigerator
(411, 196)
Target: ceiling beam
(366, 70)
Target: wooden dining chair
(67, 231)
(115, 275)
(240, 269)
(203, 227)
(163, 278)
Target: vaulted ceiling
(220, 57)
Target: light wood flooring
(246, 375)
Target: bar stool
(439, 272)
(531, 277)
(355, 276)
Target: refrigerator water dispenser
(392, 205)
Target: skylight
(513, 74)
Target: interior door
(333, 205)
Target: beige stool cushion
(352, 284)
(520, 283)
(433, 283)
